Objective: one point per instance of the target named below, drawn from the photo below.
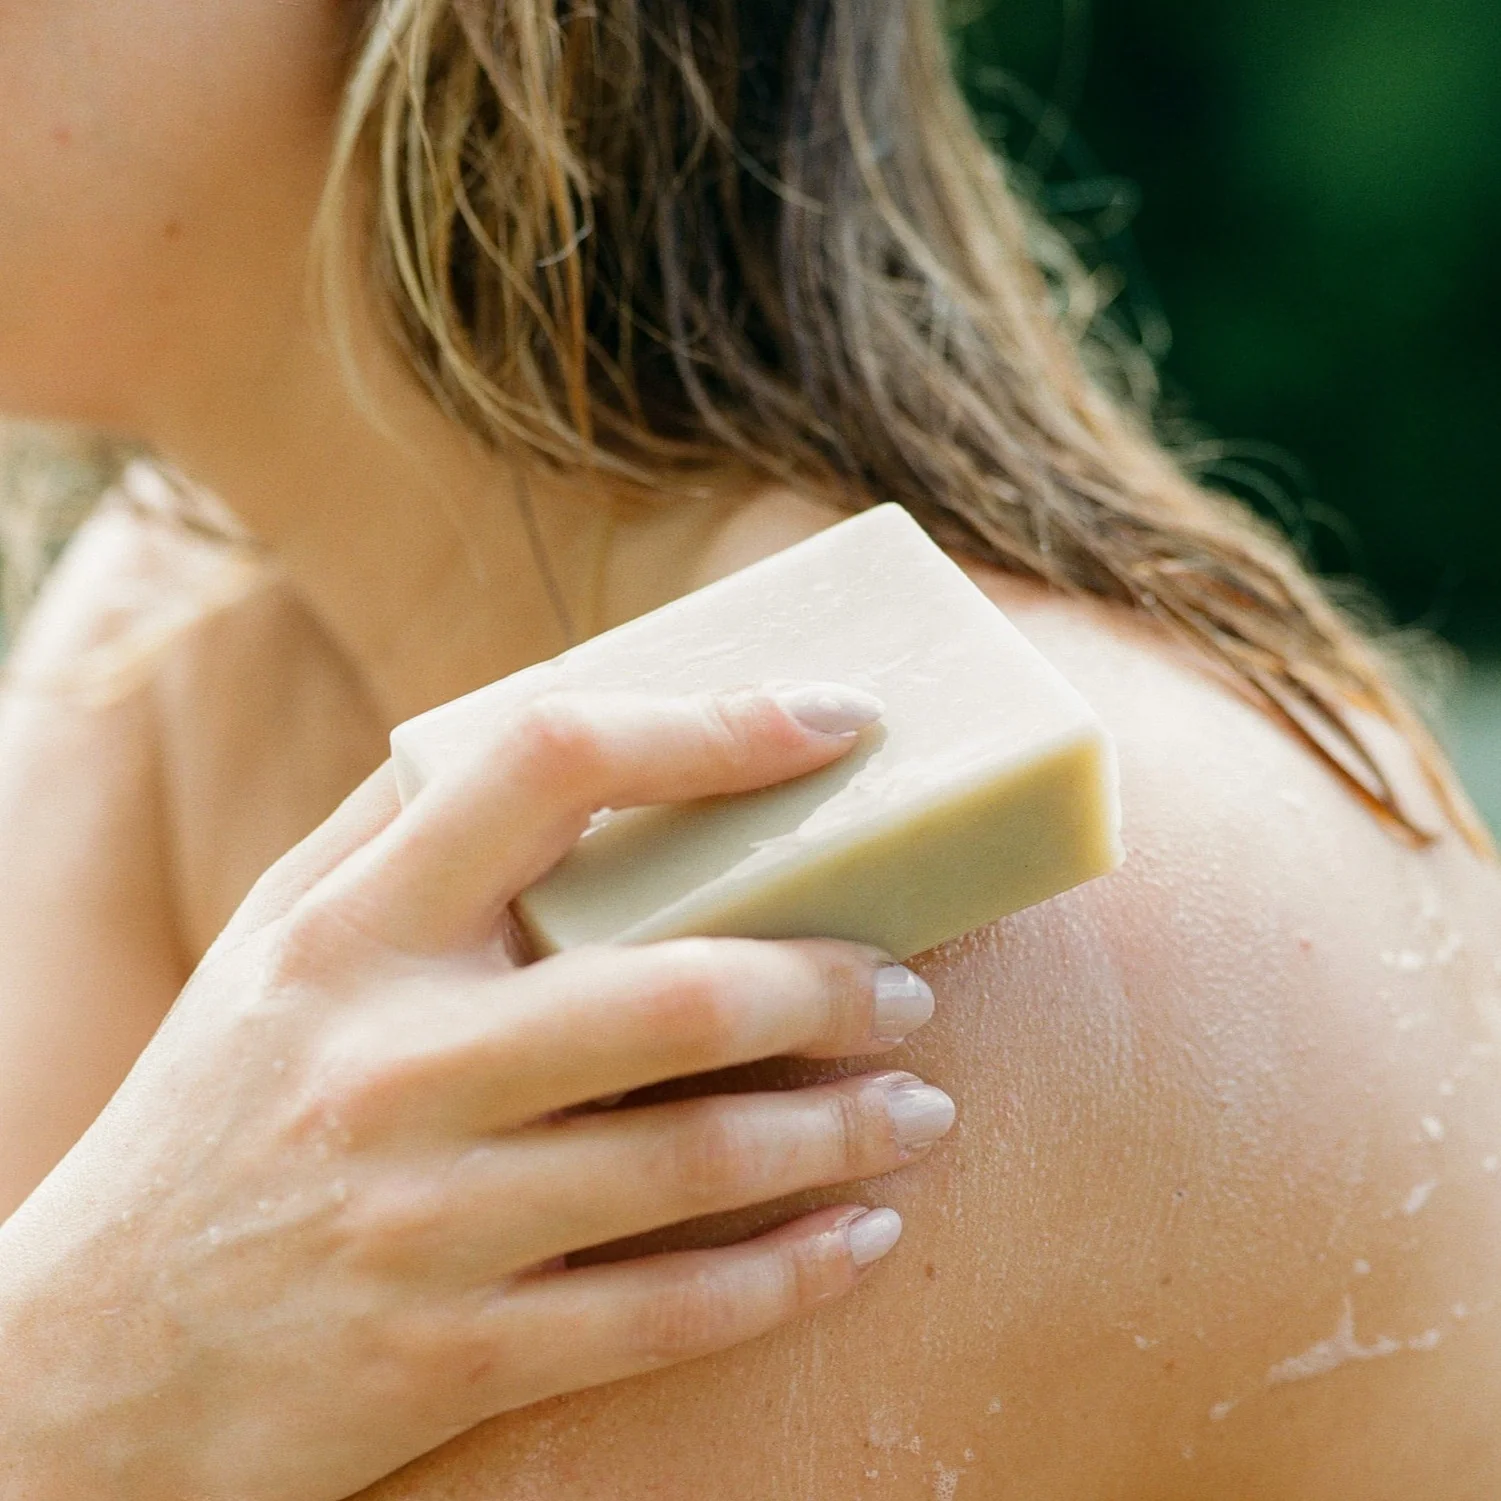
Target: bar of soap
(988, 786)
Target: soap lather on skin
(989, 784)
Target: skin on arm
(1219, 1216)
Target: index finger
(478, 835)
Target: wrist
(68, 1388)
(33, 1437)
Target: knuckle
(814, 1271)
(854, 1146)
(829, 984)
(740, 726)
(407, 1357)
(353, 1088)
(328, 1107)
(394, 1223)
(692, 1317)
(728, 726)
(308, 947)
(557, 742)
(696, 1004)
(712, 1153)
(803, 1004)
(847, 986)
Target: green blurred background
(1302, 202)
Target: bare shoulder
(170, 722)
(199, 655)
(80, 764)
(1218, 1217)
(124, 581)
(90, 955)
(1316, 1007)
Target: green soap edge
(1068, 837)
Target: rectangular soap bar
(988, 786)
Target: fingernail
(904, 1002)
(919, 1113)
(830, 708)
(873, 1235)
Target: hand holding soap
(988, 785)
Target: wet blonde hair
(644, 235)
(648, 236)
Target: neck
(435, 565)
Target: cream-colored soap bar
(988, 786)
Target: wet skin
(1218, 1216)
(1228, 1118)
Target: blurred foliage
(1307, 193)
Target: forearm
(84, 1411)
(43, 1454)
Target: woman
(610, 302)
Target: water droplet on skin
(1490, 1164)
(1449, 949)
(214, 1236)
(1433, 1127)
(1446, 1088)
(1328, 1354)
(1405, 961)
(278, 1065)
(994, 1407)
(945, 1481)
(1362, 1268)
(1142, 1342)
(1419, 1196)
